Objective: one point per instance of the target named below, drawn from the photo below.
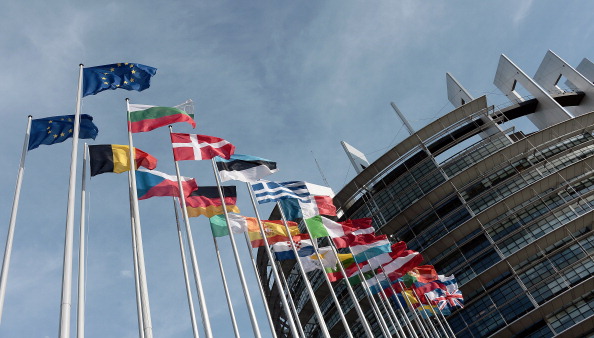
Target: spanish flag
(207, 201)
(275, 232)
(115, 158)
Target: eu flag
(129, 76)
(56, 129)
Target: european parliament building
(510, 213)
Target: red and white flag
(402, 263)
(199, 147)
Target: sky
(282, 80)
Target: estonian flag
(115, 158)
(245, 168)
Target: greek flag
(267, 191)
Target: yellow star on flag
(49, 131)
(55, 135)
(62, 134)
(112, 69)
(70, 130)
(133, 72)
(125, 82)
(131, 80)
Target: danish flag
(199, 147)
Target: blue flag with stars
(129, 76)
(56, 129)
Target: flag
(402, 263)
(450, 282)
(422, 288)
(334, 273)
(56, 129)
(447, 301)
(199, 147)
(367, 246)
(375, 262)
(115, 158)
(275, 232)
(207, 201)
(341, 230)
(291, 208)
(319, 202)
(129, 76)
(239, 224)
(284, 250)
(244, 168)
(315, 226)
(424, 273)
(326, 259)
(268, 191)
(151, 183)
(146, 118)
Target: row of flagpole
(426, 325)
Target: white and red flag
(194, 147)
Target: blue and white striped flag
(267, 191)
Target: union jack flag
(450, 300)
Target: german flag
(206, 201)
(115, 158)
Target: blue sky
(282, 80)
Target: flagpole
(260, 286)
(446, 322)
(80, 308)
(226, 288)
(185, 269)
(387, 305)
(329, 284)
(436, 317)
(381, 321)
(421, 315)
(285, 286)
(310, 291)
(135, 261)
(197, 279)
(244, 285)
(420, 322)
(406, 319)
(65, 305)
(13, 215)
(281, 293)
(146, 312)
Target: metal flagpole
(446, 322)
(331, 289)
(420, 322)
(354, 298)
(135, 260)
(197, 280)
(146, 311)
(310, 291)
(244, 285)
(281, 293)
(80, 308)
(387, 305)
(285, 286)
(226, 288)
(421, 315)
(436, 317)
(378, 313)
(65, 305)
(13, 215)
(260, 287)
(406, 319)
(185, 269)
(390, 319)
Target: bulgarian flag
(146, 118)
(238, 224)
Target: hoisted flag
(238, 223)
(275, 232)
(244, 168)
(194, 147)
(207, 201)
(56, 129)
(129, 76)
(151, 183)
(268, 191)
(284, 250)
(115, 158)
(146, 118)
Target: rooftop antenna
(319, 168)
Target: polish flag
(199, 147)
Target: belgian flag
(115, 158)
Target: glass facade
(510, 215)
